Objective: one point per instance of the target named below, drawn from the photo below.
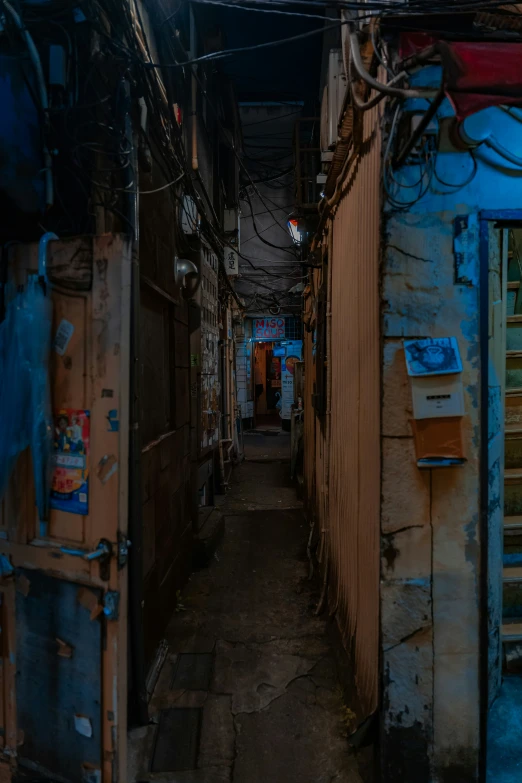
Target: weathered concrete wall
(430, 518)
(429, 592)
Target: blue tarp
(25, 401)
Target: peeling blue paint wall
(430, 519)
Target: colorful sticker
(70, 485)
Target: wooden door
(63, 590)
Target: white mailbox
(435, 369)
(434, 397)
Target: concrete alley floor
(248, 692)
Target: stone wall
(429, 521)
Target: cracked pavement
(272, 707)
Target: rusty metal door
(63, 592)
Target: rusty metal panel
(354, 472)
(309, 421)
(85, 600)
(51, 672)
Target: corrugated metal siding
(309, 414)
(320, 486)
(354, 491)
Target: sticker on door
(70, 484)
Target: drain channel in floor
(177, 738)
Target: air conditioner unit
(189, 216)
(337, 84)
(326, 153)
(232, 225)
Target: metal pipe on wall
(387, 89)
(328, 370)
(324, 520)
(194, 90)
(135, 570)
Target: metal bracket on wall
(123, 550)
(102, 553)
(111, 605)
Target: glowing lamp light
(295, 233)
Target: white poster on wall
(293, 355)
(231, 262)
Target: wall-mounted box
(435, 370)
(438, 442)
(435, 396)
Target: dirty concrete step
(512, 492)
(513, 476)
(513, 371)
(511, 600)
(513, 407)
(513, 525)
(514, 335)
(511, 636)
(513, 445)
(512, 574)
(512, 585)
(512, 631)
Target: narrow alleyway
(248, 692)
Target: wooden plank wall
(165, 418)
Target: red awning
(480, 74)
(477, 74)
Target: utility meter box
(437, 396)
(435, 370)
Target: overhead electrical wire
(275, 118)
(456, 185)
(212, 231)
(224, 53)
(287, 249)
(241, 163)
(244, 169)
(126, 51)
(240, 7)
(364, 9)
(215, 231)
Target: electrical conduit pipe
(477, 129)
(387, 89)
